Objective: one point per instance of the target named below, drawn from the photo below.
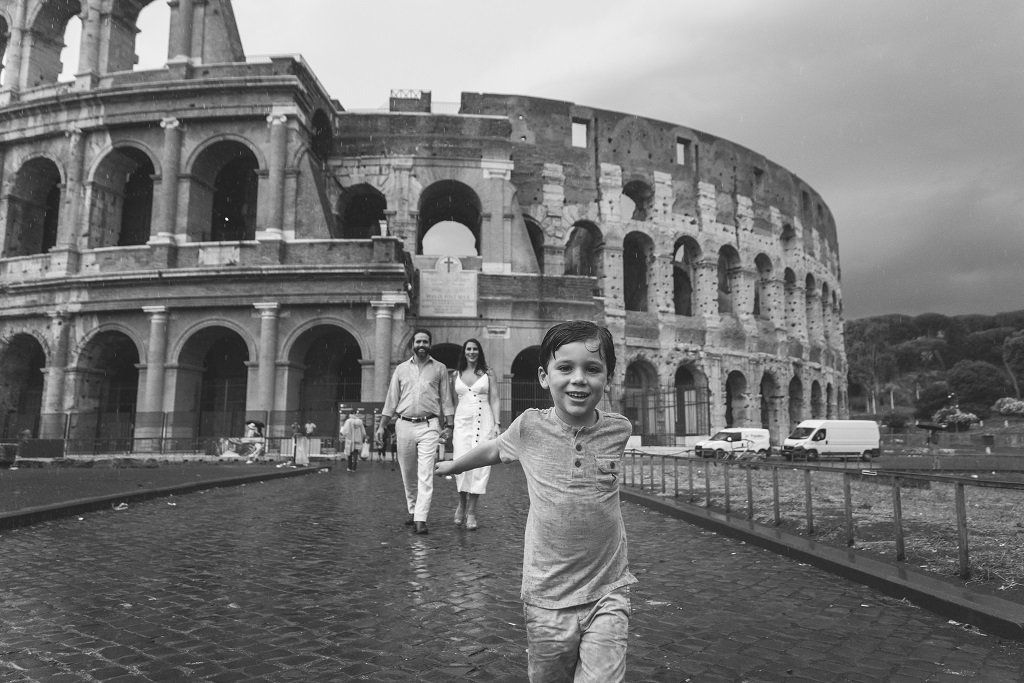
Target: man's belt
(417, 419)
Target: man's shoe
(409, 521)
(421, 528)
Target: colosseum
(219, 240)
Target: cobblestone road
(316, 579)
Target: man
(419, 399)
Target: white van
(735, 442)
(814, 439)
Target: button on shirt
(575, 546)
(417, 391)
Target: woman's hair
(578, 331)
(481, 364)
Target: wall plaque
(447, 291)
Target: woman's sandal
(460, 516)
(470, 523)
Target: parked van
(736, 442)
(842, 439)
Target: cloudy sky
(907, 116)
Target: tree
(871, 364)
(977, 385)
(1013, 359)
(930, 399)
(986, 345)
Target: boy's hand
(443, 468)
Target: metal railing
(718, 483)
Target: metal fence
(662, 415)
(799, 495)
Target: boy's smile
(577, 378)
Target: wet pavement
(316, 578)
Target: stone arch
(641, 194)
(812, 314)
(536, 235)
(445, 205)
(224, 190)
(796, 401)
(5, 39)
(33, 208)
(325, 369)
(728, 278)
(321, 134)
(637, 260)
(360, 211)
(526, 391)
(787, 239)
(447, 353)
(737, 399)
(762, 295)
(640, 397)
(692, 405)
(22, 364)
(120, 192)
(211, 378)
(826, 317)
(817, 405)
(584, 250)
(105, 390)
(42, 52)
(686, 256)
(830, 401)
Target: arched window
(526, 391)
(328, 371)
(121, 199)
(33, 209)
(452, 214)
(106, 392)
(584, 250)
(640, 397)
(230, 169)
(817, 405)
(692, 406)
(796, 402)
(536, 235)
(762, 306)
(637, 259)
(212, 381)
(361, 210)
(736, 400)
(642, 199)
(22, 364)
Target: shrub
(1008, 406)
(955, 419)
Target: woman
(476, 419)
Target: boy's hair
(575, 331)
(481, 364)
(422, 330)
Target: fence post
(663, 475)
(689, 468)
(897, 519)
(675, 477)
(961, 528)
(775, 495)
(807, 500)
(725, 481)
(707, 486)
(750, 492)
(848, 507)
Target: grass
(995, 518)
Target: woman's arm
(486, 453)
(495, 400)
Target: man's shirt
(418, 390)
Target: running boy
(575, 571)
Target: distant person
(477, 415)
(354, 433)
(575, 569)
(419, 399)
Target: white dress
(473, 424)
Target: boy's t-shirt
(575, 546)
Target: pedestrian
(391, 444)
(477, 417)
(354, 433)
(575, 567)
(419, 399)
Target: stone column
(53, 404)
(385, 313)
(705, 290)
(165, 226)
(266, 370)
(275, 174)
(156, 360)
(64, 255)
(813, 313)
(15, 48)
(180, 48)
(89, 51)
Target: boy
(575, 570)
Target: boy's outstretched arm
(482, 455)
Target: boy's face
(576, 377)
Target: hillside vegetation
(952, 370)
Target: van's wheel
(812, 455)
(762, 454)
(866, 456)
(719, 454)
